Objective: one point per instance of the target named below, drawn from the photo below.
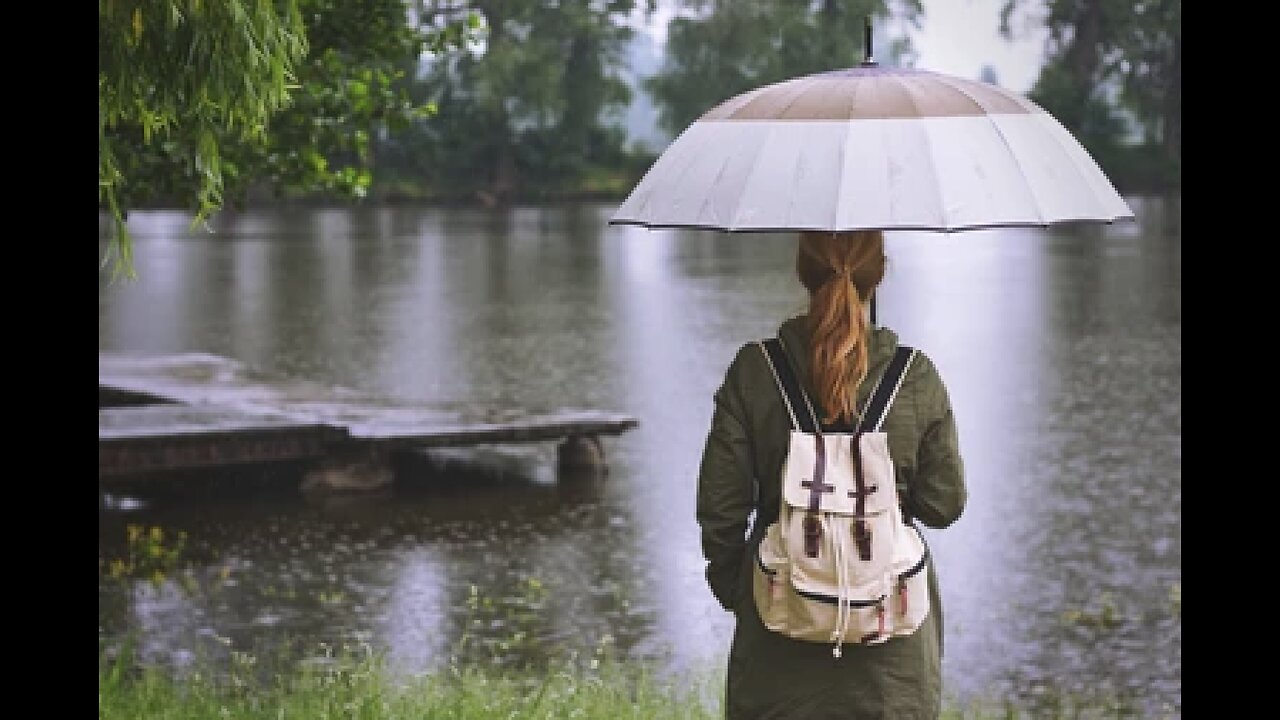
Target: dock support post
(580, 455)
(356, 467)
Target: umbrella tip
(868, 57)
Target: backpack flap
(819, 474)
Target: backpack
(840, 564)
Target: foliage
(533, 103)
(148, 554)
(355, 683)
(720, 48)
(182, 78)
(321, 143)
(1111, 64)
(200, 103)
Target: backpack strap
(793, 395)
(886, 389)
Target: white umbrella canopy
(873, 147)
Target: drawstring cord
(843, 610)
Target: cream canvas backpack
(840, 565)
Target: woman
(833, 349)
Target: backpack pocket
(770, 579)
(861, 617)
(909, 601)
(810, 609)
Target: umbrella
(872, 147)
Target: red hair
(840, 270)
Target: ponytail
(840, 270)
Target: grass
(358, 686)
(364, 688)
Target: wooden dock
(177, 412)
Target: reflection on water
(1061, 349)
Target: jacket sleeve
(726, 487)
(937, 495)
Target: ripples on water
(1061, 349)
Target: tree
(1108, 59)
(201, 103)
(180, 78)
(530, 103)
(721, 48)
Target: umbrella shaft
(867, 35)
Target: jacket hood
(795, 336)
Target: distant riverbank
(1136, 173)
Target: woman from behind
(837, 354)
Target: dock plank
(152, 438)
(530, 428)
(217, 409)
(159, 421)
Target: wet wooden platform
(150, 438)
(174, 412)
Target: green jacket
(772, 676)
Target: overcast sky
(959, 37)
(956, 37)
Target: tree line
(204, 104)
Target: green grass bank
(365, 688)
